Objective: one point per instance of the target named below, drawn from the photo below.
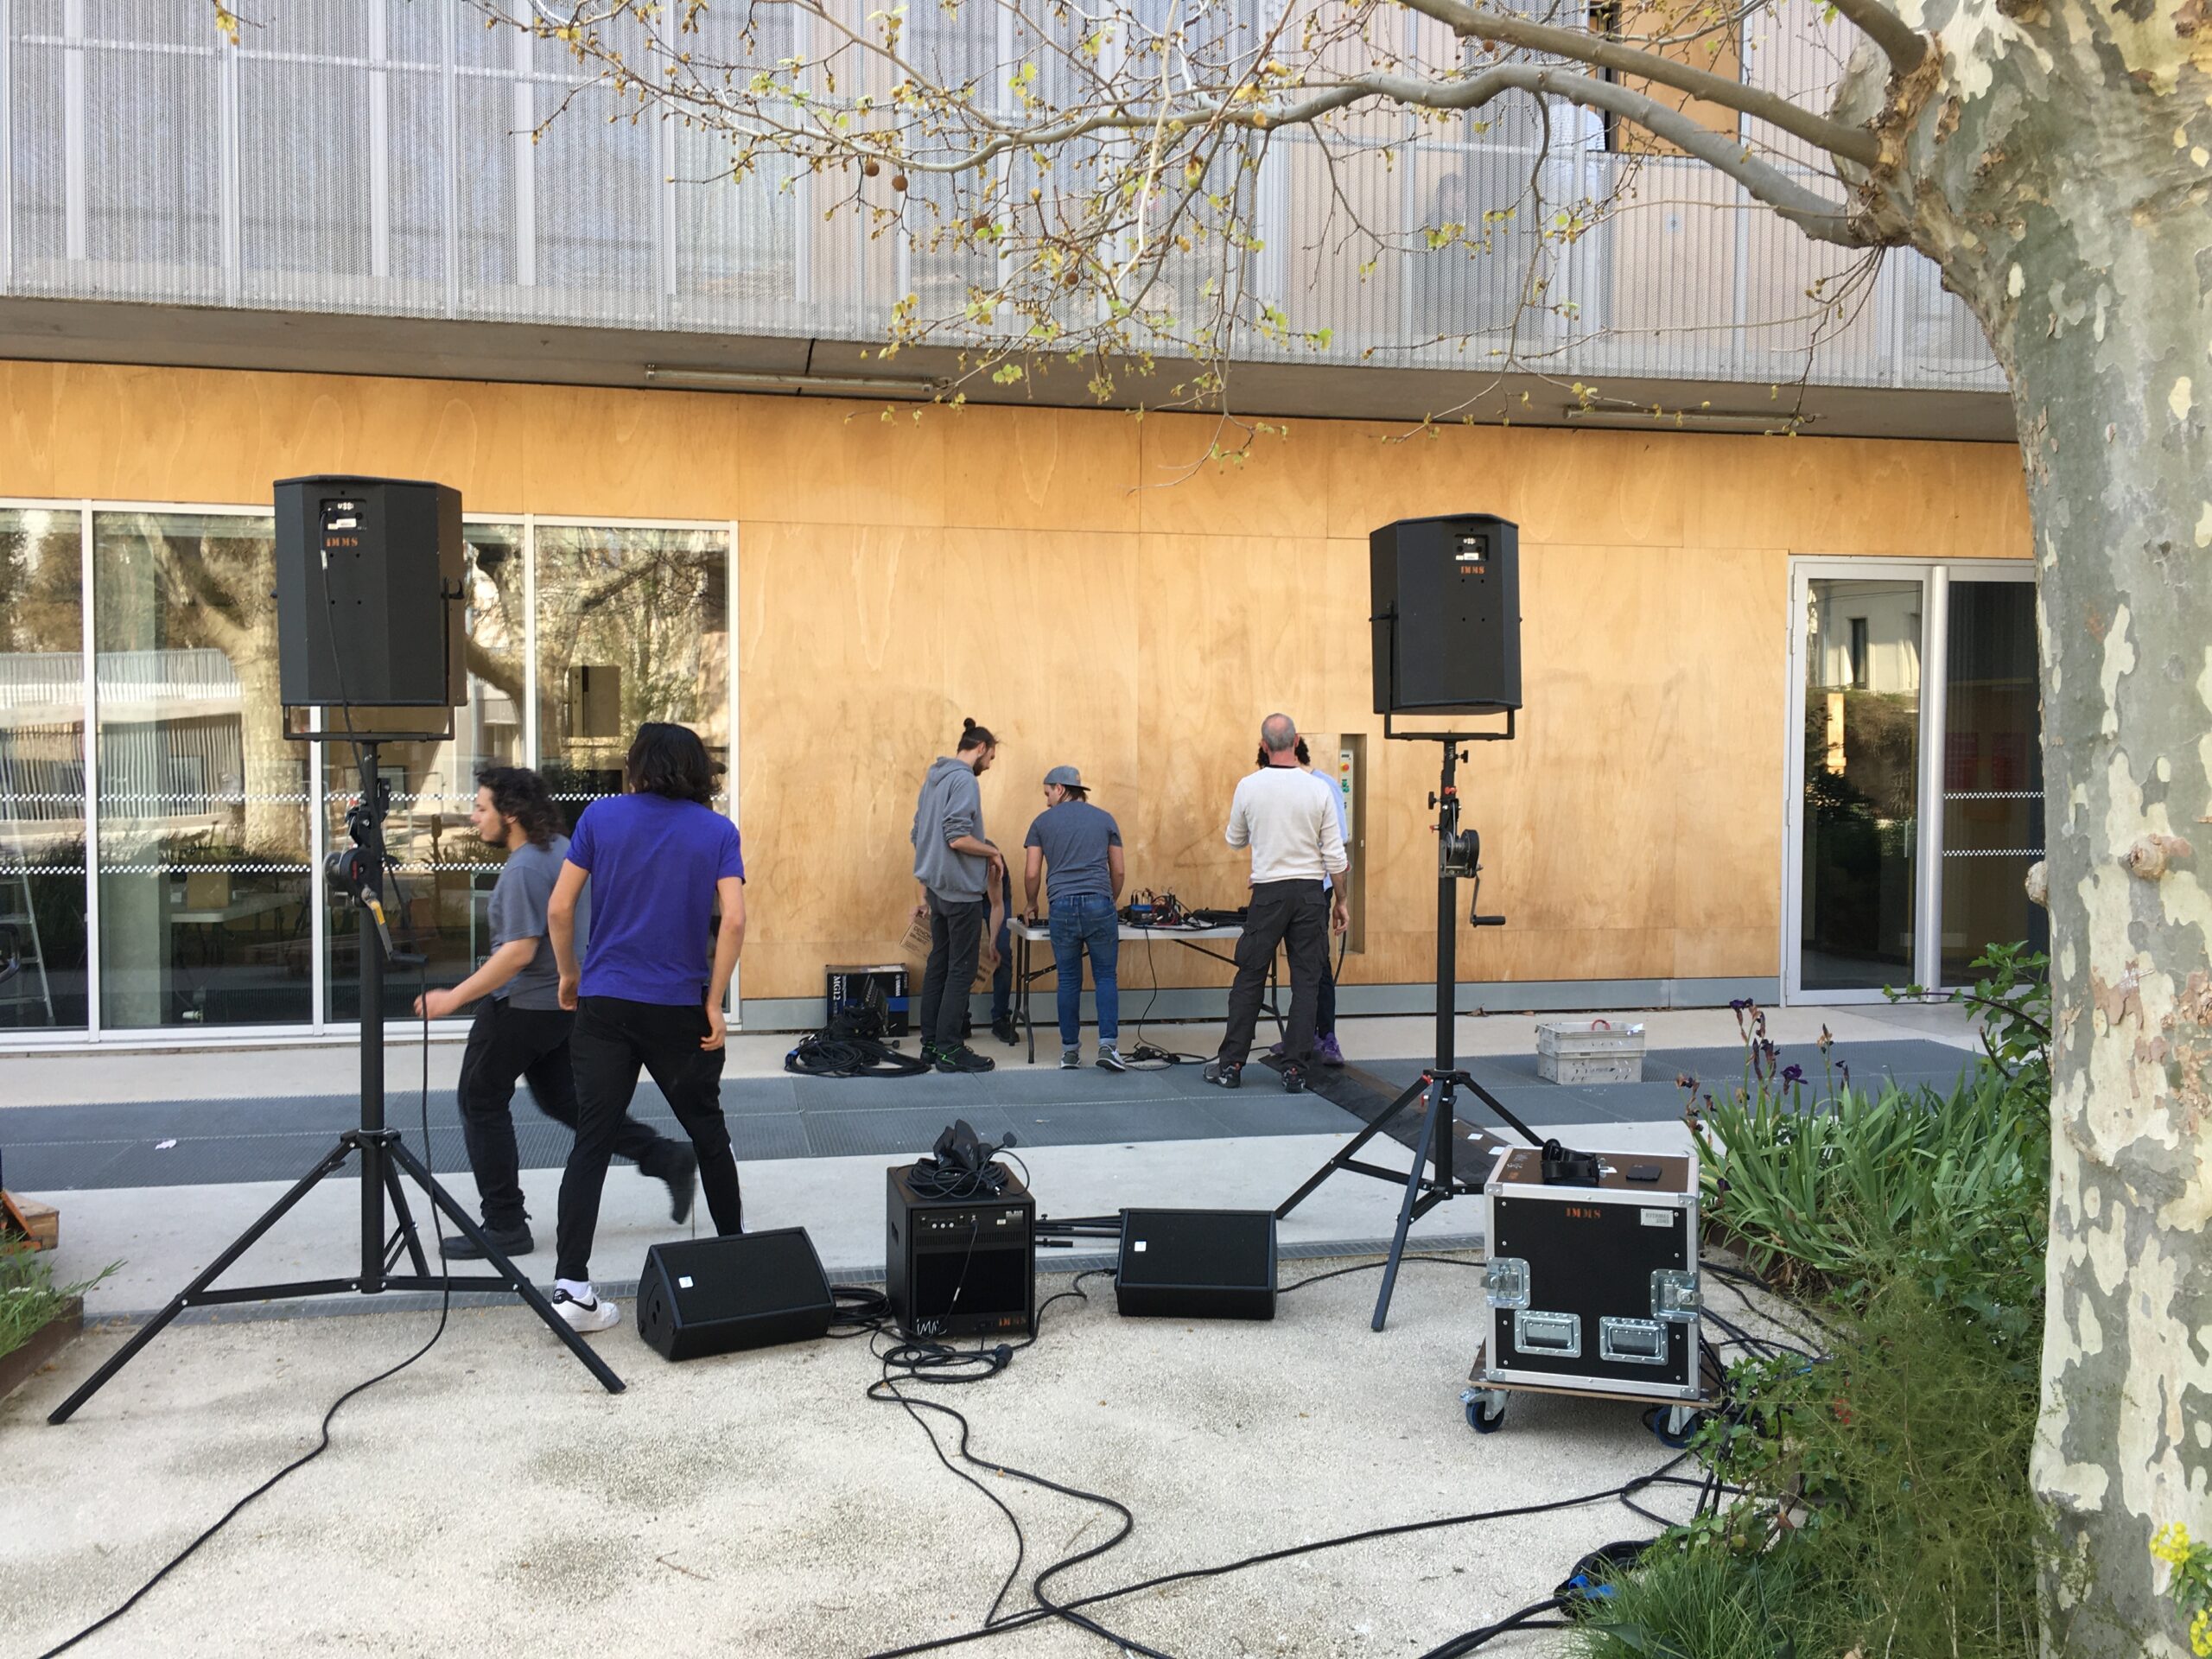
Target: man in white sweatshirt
(1291, 828)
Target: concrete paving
(490, 1499)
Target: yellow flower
(2171, 1543)
(2200, 1634)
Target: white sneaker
(594, 1315)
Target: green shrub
(1699, 1603)
(1837, 1189)
(1885, 1507)
(30, 1300)
(1879, 1501)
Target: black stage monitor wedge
(960, 1265)
(1197, 1264)
(1446, 615)
(717, 1295)
(370, 592)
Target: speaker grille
(1179, 1248)
(773, 1273)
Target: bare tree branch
(1579, 45)
(1904, 47)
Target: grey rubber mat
(195, 1142)
(1366, 1090)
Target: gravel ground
(492, 1499)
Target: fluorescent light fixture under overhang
(1763, 419)
(873, 385)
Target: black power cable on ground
(322, 1443)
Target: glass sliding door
(204, 879)
(43, 982)
(1992, 817)
(1859, 770)
(1916, 775)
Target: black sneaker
(1293, 1078)
(928, 1051)
(507, 1241)
(1007, 1032)
(1225, 1074)
(964, 1058)
(683, 1184)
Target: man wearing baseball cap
(1080, 846)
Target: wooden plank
(40, 1222)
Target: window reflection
(438, 901)
(1993, 774)
(203, 822)
(1861, 783)
(633, 625)
(43, 945)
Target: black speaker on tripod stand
(1445, 615)
(1446, 619)
(370, 587)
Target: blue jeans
(1087, 921)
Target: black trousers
(955, 942)
(1293, 915)
(614, 1039)
(509, 1044)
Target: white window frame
(317, 1030)
(1935, 577)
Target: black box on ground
(716, 1295)
(1197, 1264)
(859, 986)
(1594, 1288)
(959, 1266)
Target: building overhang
(79, 331)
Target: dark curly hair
(670, 759)
(519, 793)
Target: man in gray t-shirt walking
(521, 1032)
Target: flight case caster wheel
(1673, 1425)
(1485, 1409)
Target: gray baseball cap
(1065, 777)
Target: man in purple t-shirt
(651, 989)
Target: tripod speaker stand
(1458, 854)
(385, 1157)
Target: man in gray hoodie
(958, 871)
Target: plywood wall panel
(1229, 635)
(1278, 486)
(1041, 645)
(1860, 496)
(171, 435)
(1724, 751)
(688, 452)
(842, 652)
(1095, 590)
(1040, 469)
(820, 460)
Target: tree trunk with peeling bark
(2057, 163)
